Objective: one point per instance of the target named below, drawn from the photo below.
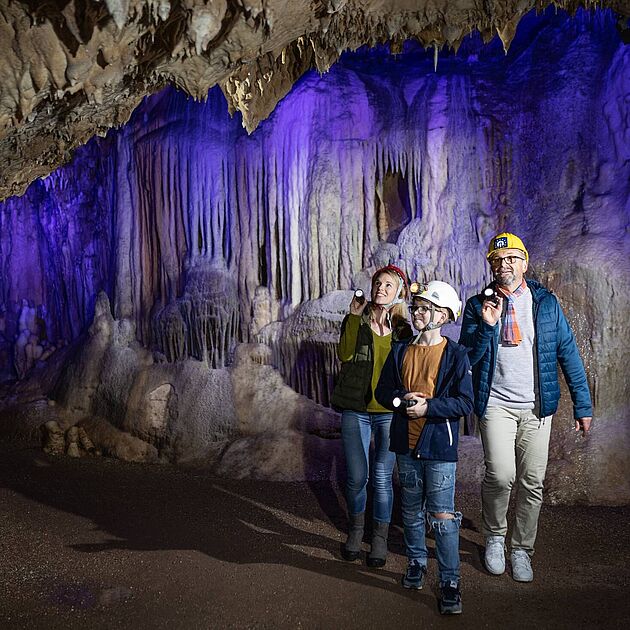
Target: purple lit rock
(204, 237)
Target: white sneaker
(495, 554)
(521, 566)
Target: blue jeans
(428, 488)
(356, 432)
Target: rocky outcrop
(73, 70)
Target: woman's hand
(357, 306)
(419, 410)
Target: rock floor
(98, 543)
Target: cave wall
(204, 236)
(381, 158)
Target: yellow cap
(505, 240)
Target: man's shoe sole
(491, 572)
(412, 585)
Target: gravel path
(97, 543)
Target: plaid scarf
(511, 333)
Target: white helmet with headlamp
(440, 294)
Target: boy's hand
(583, 424)
(419, 410)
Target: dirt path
(98, 543)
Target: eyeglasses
(496, 261)
(423, 309)
(419, 308)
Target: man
(516, 336)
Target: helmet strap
(431, 325)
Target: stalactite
(304, 347)
(293, 208)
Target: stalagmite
(204, 322)
(85, 442)
(54, 438)
(72, 442)
(116, 443)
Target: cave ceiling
(72, 69)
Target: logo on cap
(500, 242)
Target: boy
(427, 382)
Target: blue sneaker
(414, 575)
(450, 598)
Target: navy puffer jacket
(555, 344)
(452, 399)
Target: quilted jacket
(555, 344)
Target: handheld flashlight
(403, 402)
(490, 294)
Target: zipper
(494, 349)
(536, 306)
(450, 433)
(402, 357)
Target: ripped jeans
(428, 488)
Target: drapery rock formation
(206, 238)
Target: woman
(366, 336)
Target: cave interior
(191, 191)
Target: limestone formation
(72, 442)
(200, 273)
(86, 443)
(68, 72)
(54, 438)
(118, 444)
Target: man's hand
(584, 424)
(357, 306)
(419, 410)
(491, 312)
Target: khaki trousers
(516, 448)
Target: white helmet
(441, 294)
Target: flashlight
(491, 295)
(359, 296)
(403, 402)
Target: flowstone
(204, 323)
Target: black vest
(353, 389)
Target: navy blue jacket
(555, 344)
(453, 398)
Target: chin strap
(430, 326)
